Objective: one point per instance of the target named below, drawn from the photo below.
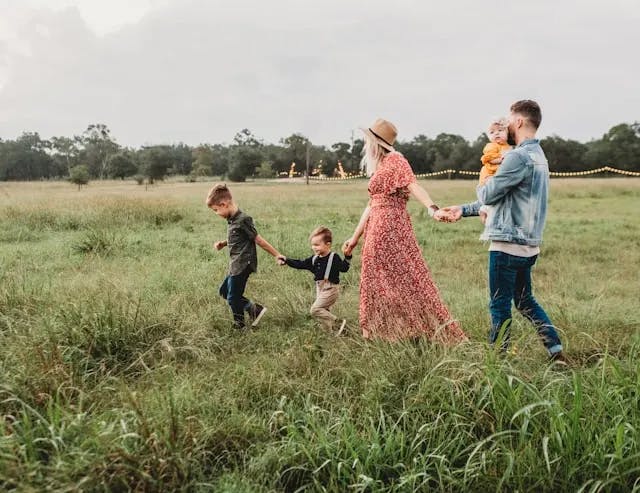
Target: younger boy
(242, 239)
(326, 267)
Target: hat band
(383, 140)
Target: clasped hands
(449, 214)
(453, 213)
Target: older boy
(242, 239)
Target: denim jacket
(518, 193)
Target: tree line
(95, 154)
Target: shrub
(79, 175)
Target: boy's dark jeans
(510, 279)
(232, 290)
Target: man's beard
(511, 138)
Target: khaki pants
(326, 296)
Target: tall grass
(119, 369)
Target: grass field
(120, 370)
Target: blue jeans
(232, 290)
(510, 279)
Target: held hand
(219, 245)
(454, 211)
(281, 260)
(443, 216)
(349, 245)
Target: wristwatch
(432, 209)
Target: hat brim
(381, 142)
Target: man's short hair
(530, 110)
(323, 231)
(219, 193)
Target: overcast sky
(163, 71)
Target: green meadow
(120, 371)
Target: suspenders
(327, 271)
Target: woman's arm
(423, 197)
(351, 243)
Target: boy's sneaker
(256, 312)
(342, 328)
(559, 359)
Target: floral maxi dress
(398, 298)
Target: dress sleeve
(402, 174)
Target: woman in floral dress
(398, 298)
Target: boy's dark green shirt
(241, 240)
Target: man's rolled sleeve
(472, 209)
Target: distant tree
(181, 159)
(220, 165)
(324, 159)
(450, 150)
(244, 156)
(96, 146)
(342, 151)
(564, 155)
(243, 162)
(356, 156)
(202, 161)
(472, 163)
(79, 175)
(265, 170)
(65, 153)
(417, 152)
(26, 158)
(29, 157)
(619, 148)
(121, 165)
(295, 151)
(245, 138)
(276, 154)
(155, 161)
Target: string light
(604, 169)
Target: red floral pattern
(398, 298)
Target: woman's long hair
(372, 154)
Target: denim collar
(529, 141)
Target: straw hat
(384, 132)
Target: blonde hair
(500, 122)
(372, 154)
(218, 193)
(323, 231)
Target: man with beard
(518, 193)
